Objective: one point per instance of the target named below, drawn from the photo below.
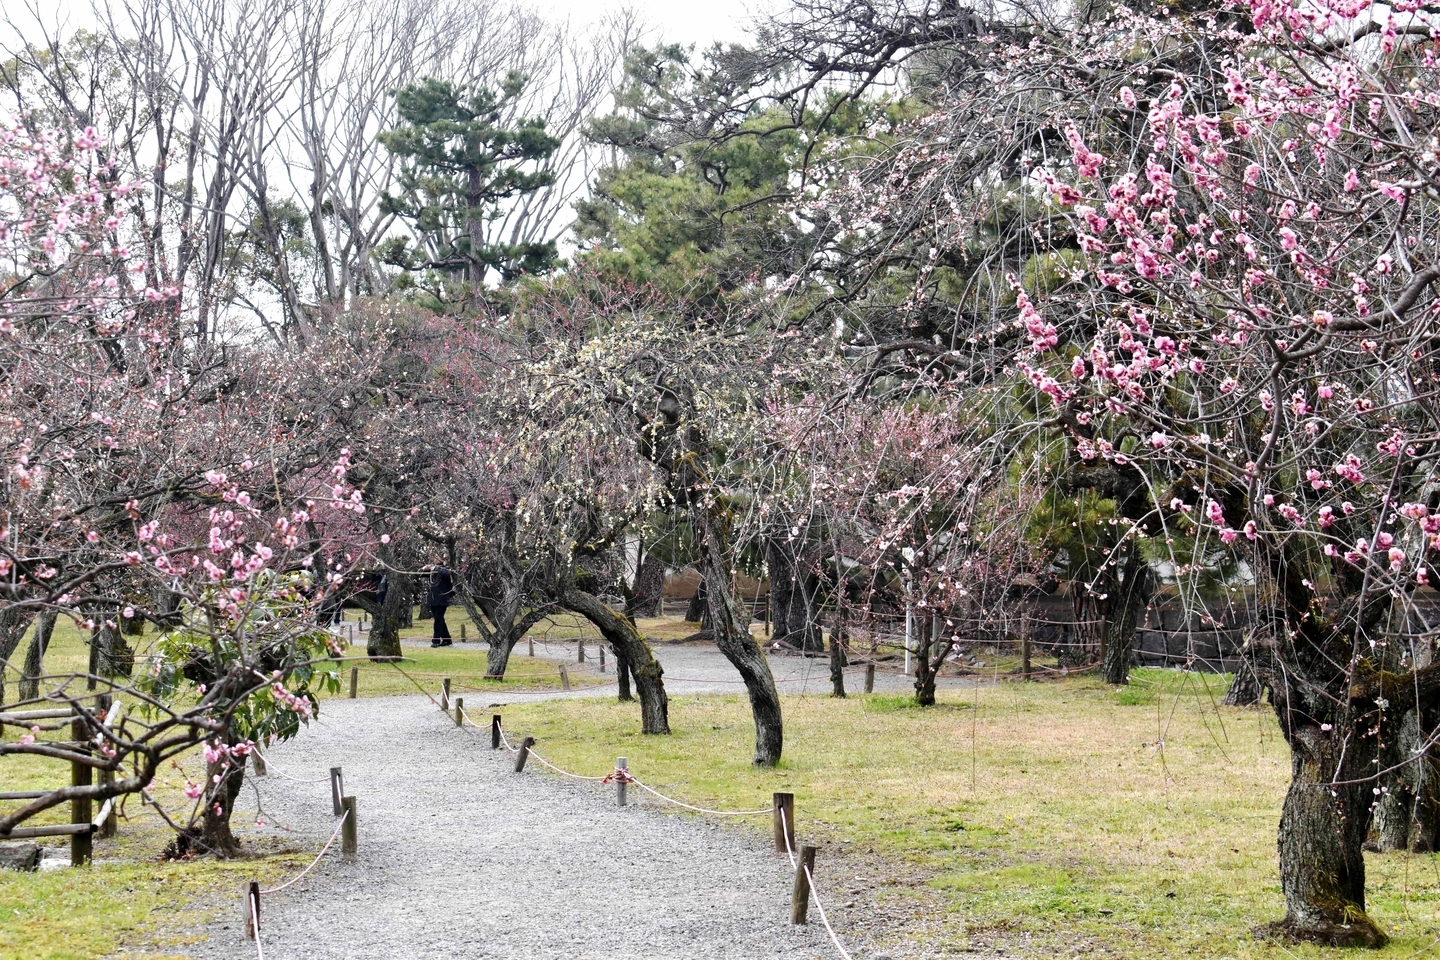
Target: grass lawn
(1051, 819)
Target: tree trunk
(1134, 593)
(35, 658)
(622, 677)
(698, 609)
(1323, 826)
(114, 657)
(215, 834)
(837, 655)
(620, 631)
(782, 588)
(649, 589)
(1245, 688)
(383, 640)
(925, 670)
(509, 630)
(13, 624)
(732, 635)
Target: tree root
(1361, 931)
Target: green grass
(1053, 819)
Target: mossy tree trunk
(622, 634)
(1323, 826)
(731, 623)
(1335, 720)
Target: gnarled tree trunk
(793, 591)
(1323, 826)
(383, 641)
(1245, 688)
(215, 834)
(732, 635)
(620, 631)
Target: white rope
(563, 773)
(785, 829)
(283, 774)
(687, 806)
(343, 817)
(824, 919)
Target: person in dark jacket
(440, 595)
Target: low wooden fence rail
(83, 827)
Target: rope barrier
(815, 893)
(681, 803)
(284, 775)
(785, 829)
(323, 850)
(407, 676)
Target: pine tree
(461, 159)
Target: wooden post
(80, 776)
(337, 790)
(800, 893)
(620, 764)
(445, 694)
(349, 835)
(495, 732)
(459, 711)
(783, 812)
(107, 827)
(258, 763)
(354, 681)
(767, 614)
(870, 677)
(580, 649)
(564, 678)
(250, 905)
(524, 754)
(532, 645)
(462, 633)
(602, 658)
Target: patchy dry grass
(1055, 819)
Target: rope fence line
(270, 767)
(680, 803)
(323, 850)
(622, 776)
(345, 830)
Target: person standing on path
(440, 596)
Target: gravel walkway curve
(461, 857)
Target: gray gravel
(462, 857)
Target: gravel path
(461, 857)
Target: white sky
(678, 21)
(700, 22)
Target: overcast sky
(699, 22)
